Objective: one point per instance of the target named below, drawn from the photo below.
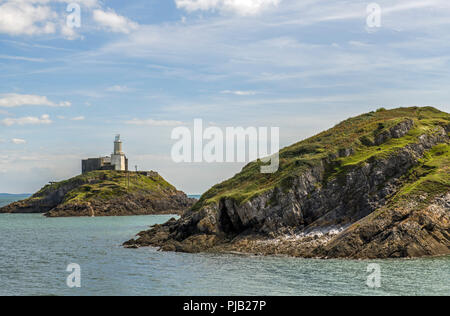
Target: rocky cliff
(374, 186)
(105, 193)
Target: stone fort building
(117, 160)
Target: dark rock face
(397, 131)
(312, 212)
(131, 204)
(408, 231)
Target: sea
(35, 253)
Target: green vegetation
(430, 178)
(424, 182)
(358, 134)
(106, 185)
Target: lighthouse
(118, 159)
(118, 146)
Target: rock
(397, 131)
(345, 152)
(397, 231)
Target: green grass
(357, 133)
(106, 185)
(366, 153)
(431, 177)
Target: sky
(140, 68)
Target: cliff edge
(373, 186)
(105, 193)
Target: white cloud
(69, 33)
(238, 92)
(274, 48)
(113, 22)
(14, 100)
(22, 58)
(65, 104)
(25, 18)
(29, 120)
(43, 17)
(18, 141)
(78, 118)
(118, 88)
(241, 7)
(151, 122)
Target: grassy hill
(105, 193)
(357, 134)
(106, 185)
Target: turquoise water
(35, 251)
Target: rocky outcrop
(44, 200)
(398, 231)
(314, 215)
(105, 193)
(399, 130)
(125, 205)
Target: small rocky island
(106, 193)
(373, 186)
(106, 188)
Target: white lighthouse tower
(118, 159)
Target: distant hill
(374, 186)
(105, 193)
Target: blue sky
(139, 68)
